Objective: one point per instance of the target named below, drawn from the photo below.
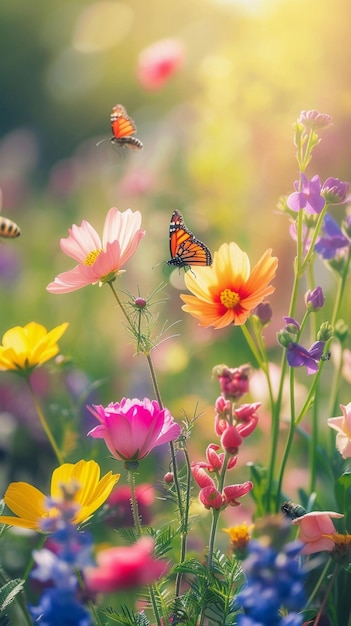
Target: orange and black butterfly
(123, 128)
(185, 249)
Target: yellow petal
(92, 492)
(27, 502)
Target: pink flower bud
(234, 382)
(220, 425)
(211, 498)
(231, 440)
(140, 303)
(214, 460)
(168, 477)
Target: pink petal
(81, 241)
(68, 281)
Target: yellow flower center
(229, 298)
(92, 256)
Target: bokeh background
(217, 146)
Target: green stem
(44, 423)
(134, 502)
(289, 440)
(216, 512)
(313, 445)
(326, 595)
(320, 581)
(185, 521)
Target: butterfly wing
(122, 125)
(185, 249)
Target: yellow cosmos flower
(29, 504)
(228, 291)
(25, 347)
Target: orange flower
(228, 291)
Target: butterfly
(123, 128)
(185, 249)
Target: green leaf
(9, 591)
(343, 496)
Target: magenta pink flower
(99, 261)
(215, 459)
(210, 496)
(314, 530)
(125, 567)
(342, 425)
(233, 381)
(132, 428)
(159, 62)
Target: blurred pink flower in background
(314, 530)
(99, 261)
(158, 63)
(342, 425)
(120, 512)
(125, 567)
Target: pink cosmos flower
(314, 530)
(125, 568)
(159, 62)
(132, 428)
(99, 261)
(342, 425)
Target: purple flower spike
(307, 195)
(333, 239)
(298, 356)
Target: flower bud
(334, 190)
(341, 331)
(231, 440)
(168, 478)
(284, 338)
(234, 382)
(264, 313)
(140, 303)
(325, 332)
(314, 299)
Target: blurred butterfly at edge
(185, 249)
(123, 128)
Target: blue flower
(298, 356)
(274, 582)
(332, 241)
(59, 607)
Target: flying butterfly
(123, 128)
(8, 228)
(185, 249)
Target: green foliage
(9, 591)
